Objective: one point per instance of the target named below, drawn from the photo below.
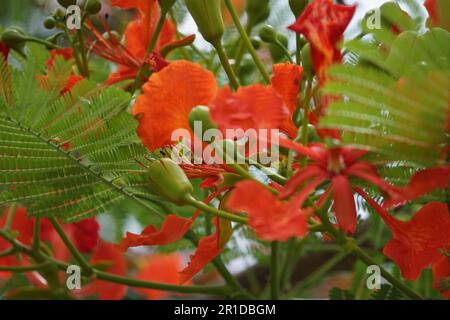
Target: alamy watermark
(234, 146)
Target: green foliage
(69, 156)
(395, 99)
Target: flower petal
(323, 24)
(168, 98)
(252, 107)
(344, 203)
(269, 217)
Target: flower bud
(208, 17)
(14, 38)
(67, 3)
(166, 5)
(297, 6)
(307, 63)
(201, 113)
(268, 34)
(49, 23)
(256, 43)
(169, 180)
(93, 6)
(275, 51)
(257, 11)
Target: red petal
(323, 24)
(168, 98)
(105, 290)
(207, 249)
(441, 271)
(420, 184)
(286, 81)
(300, 178)
(85, 234)
(161, 268)
(344, 204)
(252, 107)
(416, 244)
(269, 217)
(172, 229)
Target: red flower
(323, 24)
(421, 241)
(173, 229)
(271, 218)
(337, 165)
(162, 268)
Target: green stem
(285, 51)
(36, 234)
(43, 42)
(150, 48)
(10, 216)
(238, 291)
(241, 48)
(298, 49)
(218, 290)
(247, 41)
(83, 54)
(73, 250)
(274, 273)
(217, 212)
(8, 252)
(234, 83)
(34, 267)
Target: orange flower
(323, 23)
(162, 268)
(271, 218)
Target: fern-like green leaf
(68, 156)
(395, 103)
(340, 294)
(387, 292)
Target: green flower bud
(169, 180)
(256, 42)
(67, 3)
(201, 113)
(297, 6)
(268, 34)
(166, 5)
(275, 51)
(307, 63)
(14, 38)
(93, 6)
(49, 23)
(312, 134)
(257, 11)
(207, 14)
(59, 14)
